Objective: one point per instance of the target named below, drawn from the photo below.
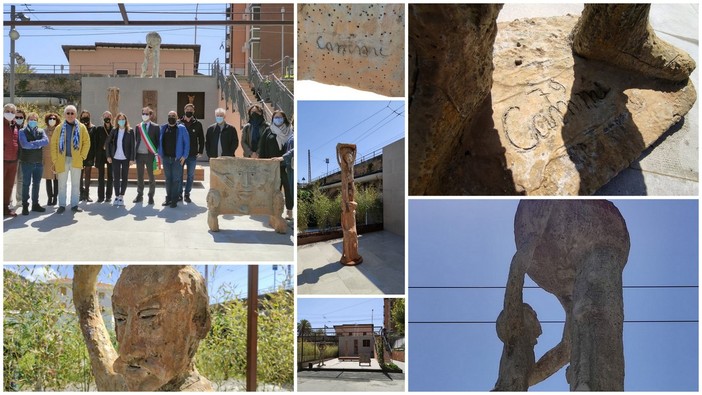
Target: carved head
(161, 314)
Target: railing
(271, 90)
(358, 161)
(133, 68)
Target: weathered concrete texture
(357, 45)
(576, 250)
(449, 78)
(559, 124)
(245, 186)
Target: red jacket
(10, 141)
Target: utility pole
(309, 167)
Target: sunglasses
(53, 119)
(70, 113)
(19, 117)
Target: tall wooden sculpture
(346, 156)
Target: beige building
(64, 293)
(126, 59)
(266, 45)
(355, 340)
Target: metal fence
(359, 160)
(271, 90)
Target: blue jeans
(31, 172)
(173, 172)
(190, 163)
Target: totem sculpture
(245, 186)
(152, 50)
(161, 314)
(346, 156)
(575, 250)
(113, 99)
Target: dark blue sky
(471, 243)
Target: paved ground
(356, 381)
(139, 232)
(382, 270)
(671, 166)
(336, 364)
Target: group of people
(69, 148)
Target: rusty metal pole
(252, 330)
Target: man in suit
(221, 139)
(147, 135)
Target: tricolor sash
(152, 148)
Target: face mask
(219, 119)
(171, 121)
(107, 120)
(52, 122)
(85, 120)
(19, 121)
(145, 117)
(9, 116)
(32, 124)
(121, 122)
(189, 114)
(255, 116)
(278, 121)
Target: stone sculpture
(346, 157)
(245, 186)
(152, 51)
(113, 100)
(571, 101)
(575, 250)
(356, 45)
(161, 314)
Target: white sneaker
(121, 201)
(115, 202)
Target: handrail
(358, 161)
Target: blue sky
(233, 278)
(338, 311)
(42, 46)
(370, 125)
(477, 252)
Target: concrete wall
(94, 95)
(394, 187)
(346, 346)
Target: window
(169, 74)
(366, 343)
(63, 291)
(122, 72)
(101, 295)
(255, 12)
(255, 32)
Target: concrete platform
(140, 232)
(671, 166)
(382, 270)
(356, 381)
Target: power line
(537, 287)
(349, 129)
(558, 322)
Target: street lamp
(282, 43)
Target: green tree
(304, 328)
(368, 199)
(397, 314)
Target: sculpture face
(157, 323)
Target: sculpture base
(351, 262)
(556, 123)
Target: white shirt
(119, 152)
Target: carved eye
(148, 314)
(120, 319)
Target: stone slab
(361, 46)
(556, 123)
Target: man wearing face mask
(197, 146)
(252, 131)
(173, 148)
(69, 148)
(222, 139)
(10, 139)
(146, 149)
(32, 139)
(88, 163)
(102, 133)
(20, 117)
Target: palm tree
(304, 328)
